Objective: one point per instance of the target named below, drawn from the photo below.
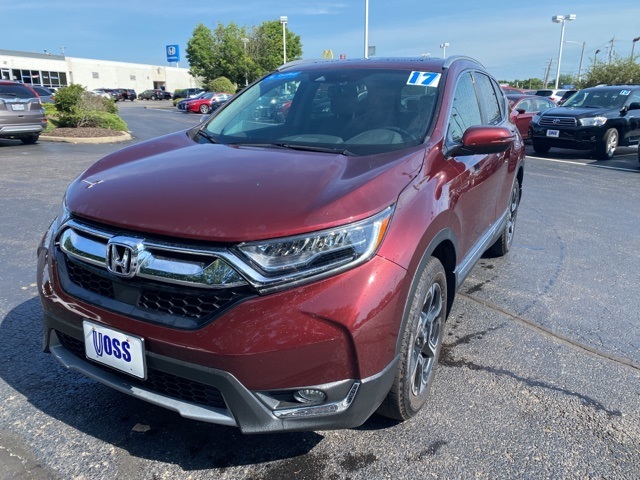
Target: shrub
(67, 99)
(220, 84)
(91, 102)
(92, 119)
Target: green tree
(231, 54)
(201, 53)
(269, 47)
(620, 71)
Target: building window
(95, 74)
(132, 77)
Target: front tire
(421, 343)
(204, 109)
(539, 146)
(607, 147)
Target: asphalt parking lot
(539, 376)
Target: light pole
(283, 21)
(366, 28)
(561, 19)
(245, 40)
(444, 46)
(595, 56)
(633, 46)
(581, 55)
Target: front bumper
(576, 138)
(337, 335)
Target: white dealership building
(58, 70)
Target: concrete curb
(115, 139)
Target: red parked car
(288, 272)
(524, 107)
(206, 103)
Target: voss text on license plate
(116, 349)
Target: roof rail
(449, 60)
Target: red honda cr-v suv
(287, 269)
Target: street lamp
(245, 40)
(283, 21)
(366, 29)
(561, 19)
(444, 46)
(581, 55)
(633, 46)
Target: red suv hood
(175, 187)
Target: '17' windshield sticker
(625, 92)
(427, 79)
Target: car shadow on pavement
(141, 429)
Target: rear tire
(421, 343)
(204, 109)
(539, 146)
(503, 244)
(607, 147)
(30, 139)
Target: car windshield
(344, 111)
(599, 98)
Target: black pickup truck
(598, 119)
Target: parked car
(508, 90)
(187, 92)
(45, 95)
(566, 96)
(115, 93)
(597, 119)
(181, 103)
(208, 102)
(290, 274)
(102, 93)
(524, 107)
(553, 95)
(127, 94)
(21, 114)
(155, 94)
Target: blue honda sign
(173, 53)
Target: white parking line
(585, 164)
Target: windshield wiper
(293, 146)
(207, 135)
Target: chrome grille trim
(164, 262)
(546, 121)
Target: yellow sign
(328, 54)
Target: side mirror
(483, 139)
(521, 111)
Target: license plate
(116, 349)
(553, 133)
(18, 106)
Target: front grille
(89, 280)
(152, 301)
(157, 381)
(558, 122)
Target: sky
(512, 39)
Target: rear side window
(489, 103)
(15, 91)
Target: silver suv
(21, 114)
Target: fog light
(310, 395)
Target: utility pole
(546, 72)
(610, 48)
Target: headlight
(536, 118)
(317, 252)
(593, 121)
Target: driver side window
(465, 111)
